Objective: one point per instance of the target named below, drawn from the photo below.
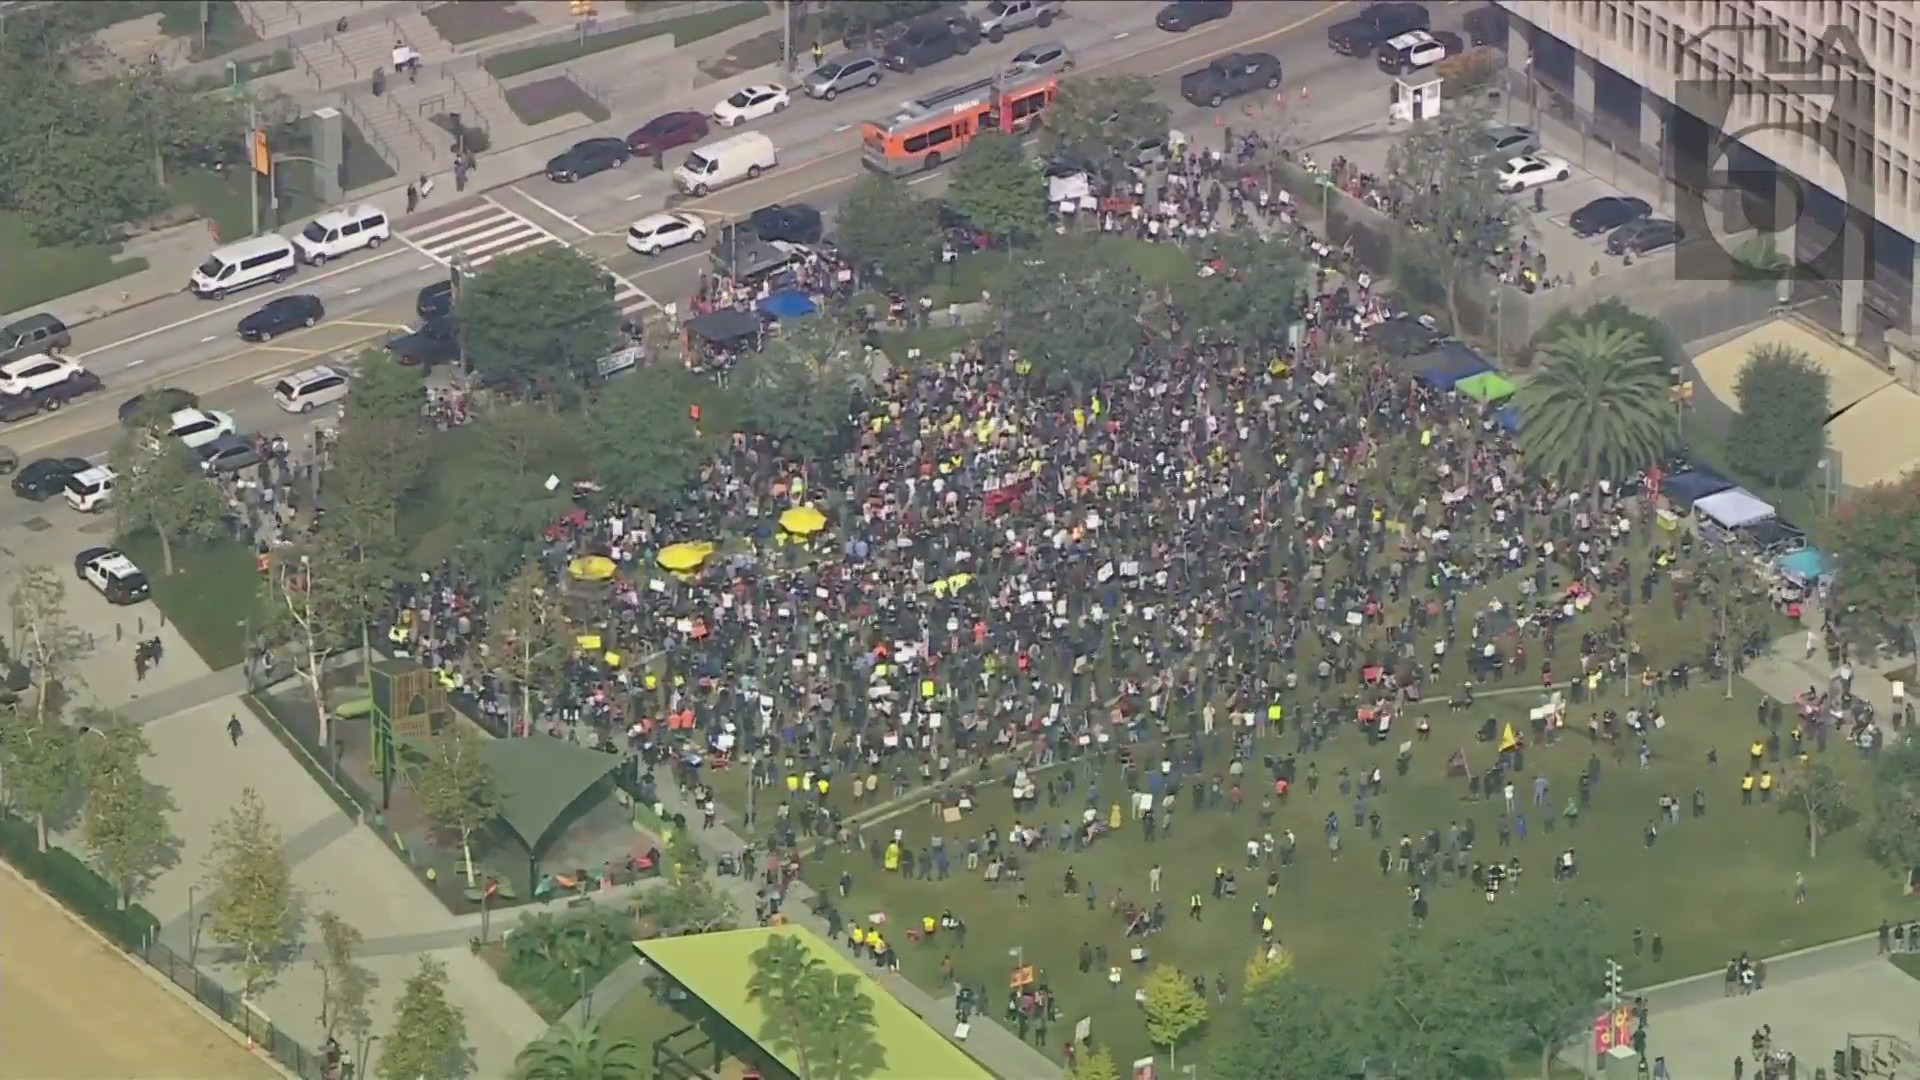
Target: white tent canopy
(1735, 508)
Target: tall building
(1814, 99)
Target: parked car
(1531, 171)
(849, 72)
(40, 333)
(666, 132)
(435, 300)
(1417, 49)
(1229, 77)
(1607, 213)
(1183, 15)
(280, 315)
(113, 574)
(1048, 57)
(38, 481)
(929, 41)
(37, 372)
(1487, 26)
(1644, 235)
(198, 427)
(162, 400)
(587, 158)
(655, 233)
(1508, 141)
(50, 399)
(1363, 34)
(797, 223)
(435, 341)
(998, 18)
(228, 454)
(751, 103)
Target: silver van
(847, 72)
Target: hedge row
(76, 886)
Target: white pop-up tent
(1734, 508)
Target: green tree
(574, 1051)
(1541, 965)
(780, 980)
(883, 225)
(1596, 408)
(1780, 431)
(1824, 797)
(525, 439)
(254, 908)
(1895, 836)
(841, 1029)
(802, 392)
(1262, 967)
(458, 789)
(300, 615)
(497, 520)
(44, 639)
(1001, 190)
(688, 905)
(384, 390)
(1251, 299)
(39, 754)
(1174, 1012)
(162, 487)
(1428, 1012)
(124, 817)
(1105, 117)
(1448, 182)
(429, 1034)
(532, 638)
(1095, 1064)
(1289, 1029)
(645, 443)
(345, 983)
(1084, 343)
(1877, 547)
(543, 315)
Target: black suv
(796, 223)
(587, 157)
(1363, 34)
(930, 41)
(437, 341)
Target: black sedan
(1644, 235)
(435, 301)
(796, 224)
(162, 400)
(587, 157)
(228, 454)
(1184, 15)
(281, 315)
(48, 398)
(43, 479)
(436, 341)
(1607, 213)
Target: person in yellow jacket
(1766, 786)
(1746, 789)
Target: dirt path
(76, 1009)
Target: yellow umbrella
(592, 568)
(803, 520)
(685, 556)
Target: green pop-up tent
(1486, 386)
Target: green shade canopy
(539, 779)
(715, 968)
(1486, 386)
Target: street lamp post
(193, 927)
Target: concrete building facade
(1806, 108)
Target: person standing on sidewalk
(233, 728)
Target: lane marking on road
(294, 350)
(478, 235)
(209, 337)
(277, 290)
(365, 325)
(843, 127)
(568, 218)
(1123, 35)
(355, 289)
(137, 363)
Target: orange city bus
(938, 127)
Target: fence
(238, 1014)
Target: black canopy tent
(725, 327)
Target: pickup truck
(432, 343)
(1363, 34)
(1229, 77)
(47, 399)
(743, 256)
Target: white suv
(197, 428)
(37, 372)
(656, 233)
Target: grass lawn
(685, 29)
(226, 30)
(1907, 962)
(31, 275)
(212, 595)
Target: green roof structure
(715, 969)
(539, 780)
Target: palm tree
(1597, 408)
(782, 983)
(573, 1051)
(843, 1030)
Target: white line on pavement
(209, 337)
(137, 362)
(222, 309)
(563, 217)
(353, 290)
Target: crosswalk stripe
(489, 231)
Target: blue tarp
(787, 304)
(1806, 564)
(1450, 363)
(1509, 418)
(1691, 486)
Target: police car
(115, 575)
(1416, 49)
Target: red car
(667, 131)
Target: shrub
(76, 886)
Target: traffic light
(1614, 987)
(259, 156)
(582, 9)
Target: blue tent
(1450, 363)
(1807, 564)
(787, 304)
(1686, 488)
(1509, 418)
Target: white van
(244, 265)
(341, 232)
(306, 390)
(730, 160)
(90, 490)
